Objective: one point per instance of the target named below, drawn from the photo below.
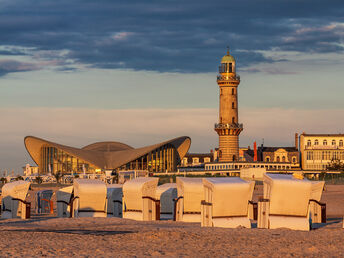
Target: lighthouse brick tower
(228, 127)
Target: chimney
(297, 141)
(255, 158)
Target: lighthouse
(228, 128)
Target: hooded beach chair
(286, 202)
(89, 198)
(188, 203)
(317, 208)
(13, 203)
(114, 200)
(64, 203)
(166, 193)
(139, 199)
(226, 202)
(44, 203)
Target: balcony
(228, 126)
(228, 78)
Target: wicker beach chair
(188, 203)
(114, 200)
(226, 202)
(89, 198)
(139, 199)
(166, 193)
(13, 203)
(64, 202)
(286, 202)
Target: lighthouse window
(233, 120)
(233, 91)
(233, 105)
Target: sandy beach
(105, 237)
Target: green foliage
(39, 180)
(18, 178)
(335, 165)
(3, 180)
(76, 176)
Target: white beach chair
(63, 200)
(317, 208)
(13, 203)
(89, 198)
(139, 202)
(166, 193)
(188, 203)
(286, 202)
(114, 200)
(226, 202)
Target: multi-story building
(318, 150)
(196, 159)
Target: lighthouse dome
(227, 59)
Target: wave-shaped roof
(107, 155)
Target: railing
(224, 78)
(229, 126)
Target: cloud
(139, 127)
(12, 66)
(171, 36)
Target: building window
(333, 142)
(206, 160)
(309, 143)
(283, 159)
(267, 159)
(316, 142)
(233, 91)
(341, 143)
(324, 142)
(294, 159)
(278, 159)
(233, 120)
(233, 105)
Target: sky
(141, 72)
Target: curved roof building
(54, 157)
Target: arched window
(316, 142)
(278, 159)
(324, 142)
(233, 120)
(283, 159)
(233, 105)
(267, 159)
(294, 159)
(341, 143)
(333, 142)
(309, 143)
(233, 91)
(234, 158)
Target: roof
(273, 149)
(109, 155)
(227, 59)
(322, 135)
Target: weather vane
(227, 50)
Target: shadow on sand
(73, 231)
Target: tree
(335, 165)
(57, 176)
(39, 180)
(3, 180)
(19, 178)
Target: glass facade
(55, 160)
(162, 159)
